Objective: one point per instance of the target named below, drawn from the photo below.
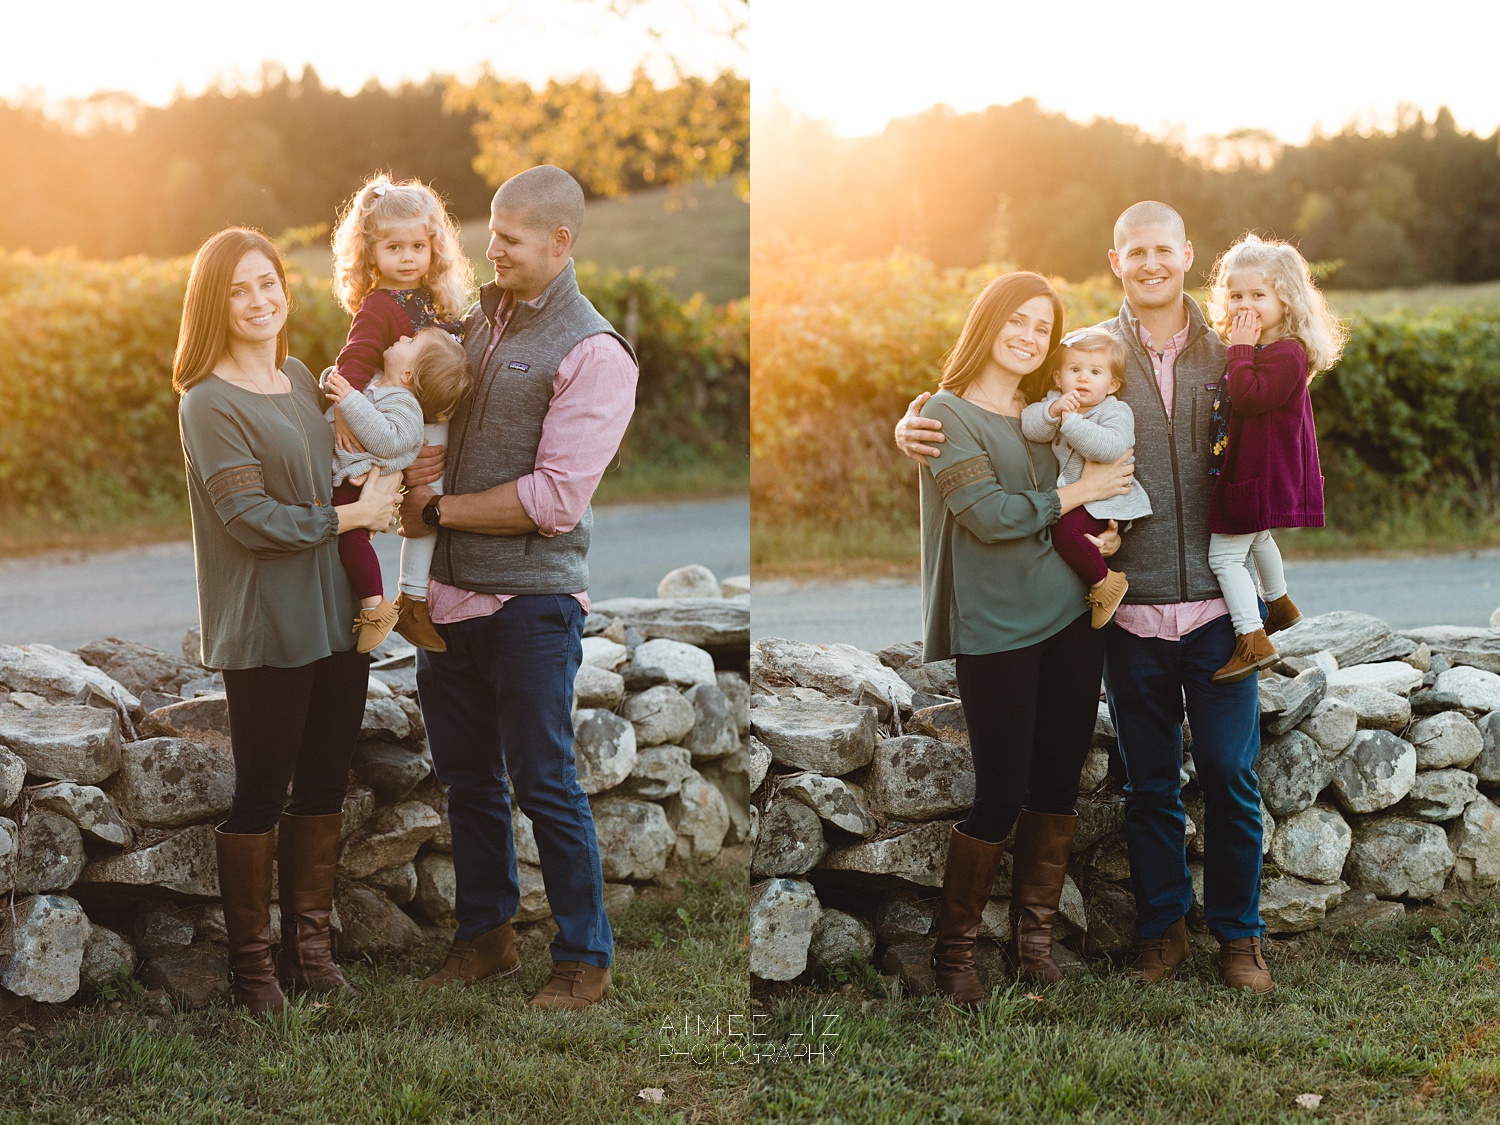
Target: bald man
(554, 390)
(1162, 647)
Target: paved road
(1442, 590)
(147, 593)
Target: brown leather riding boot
(1160, 958)
(491, 954)
(245, 887)
(1043, 842)
(968, 876)
(307, 855)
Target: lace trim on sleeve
(231, 482)
(951, 479)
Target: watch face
(430, 513)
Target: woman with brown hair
(999, 598)
(274, 605)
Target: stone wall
(115, 767)
(1380, 752)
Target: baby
(1085, 422)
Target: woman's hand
(913, 432)
(1245, 328)
(343, 436)
(376, 508)
(1104, 480)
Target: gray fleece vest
(493, 438)
(1166, 557)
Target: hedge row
(1411, 416)
(90, 419)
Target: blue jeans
(499, 702)
(1145, 680)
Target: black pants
(297, 726)
(1031, 714)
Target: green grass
(701, 234)
(391, 1054)
(1397, 1024)
(1377, 302)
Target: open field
(1400, 1023)
(1376, 302)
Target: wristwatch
(430, 514)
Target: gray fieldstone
(1445, 739)
(841, 939)
(1398, 858)
(168, 782)
(1289, 905)
(1352, 638)
(718, 624)
(390, 770)
(359, 806)
(524, 834)
(1439, 795)
(398, 882)
(70, 742)
(658, 773)
(1105, 735)
(1475, 689)
(830, 738)
(533, 906)
(1375, 772)
(660, 714)
(1332, 725)
(193, 978)
(668, 662)
(160, 929)
(1475, 841)
(1285, 704)
(598, 687)
(1377, 709)
(842, 672)
(700, 816)
(736, 691)
(692, 581)
(208, 922)
(783, 915)
(1486, 767)
(916, 856)
(63, 677)
(204, 720)
(10, 846)
(138, 668)
(1394, 676)
(1095, 770)
(393, 835)
(1362, 908)
(919, 778)
(12, 777)
(603, 749)
(372, 923)
(41, 947)
(1477, 648)
(601, 652)
(945, 722)
(836, 801)
(86, 806)
(731, 777)
(736, 586)
(759, 761)
(49, 854)
(903, 916)
(385, 719)
(791, 840)
(1293, 770)
(437, 889)
(106, 955)
(184, 863)
(635, 838)
(1312, 844)
(714, 734)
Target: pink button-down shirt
(1173, 621)
(593, 396)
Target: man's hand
(913, 432)
(1245, 328)
(412, 504)
(1107, 541)
(428, 466)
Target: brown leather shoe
(1281, 614)
(1252, 652)
(968, 876)
(573, 984)
(307, 855)
(245, 887)
(374, 625)
(1043, 842)
(1105, 598)
(1160, 958)
(1242, 966)
(491, 954)
(414, 622)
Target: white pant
(416, 554)
(1226, 557)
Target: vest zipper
(1195, 417)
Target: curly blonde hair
(1308, 319)
(440, 373)
(376, 206)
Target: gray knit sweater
(1101, 433)
(388, 423)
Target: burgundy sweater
(383, 317)
(1271, 476)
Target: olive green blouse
(991, 581)
(271, 590)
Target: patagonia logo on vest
(516, 365)
(1210, 386)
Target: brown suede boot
(414, 622)
(1105, 598)
(307, 855)
(1160, 958)
(374, 625)
(1281, 614)
(1252, 652)
(968, 876)
(245, 887)
(1242, 966)
(1043, 842)
(491, 954)
(574, 985)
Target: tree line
(1417, 203)
(116, 177)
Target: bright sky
(1211, 68)
(71, 48)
